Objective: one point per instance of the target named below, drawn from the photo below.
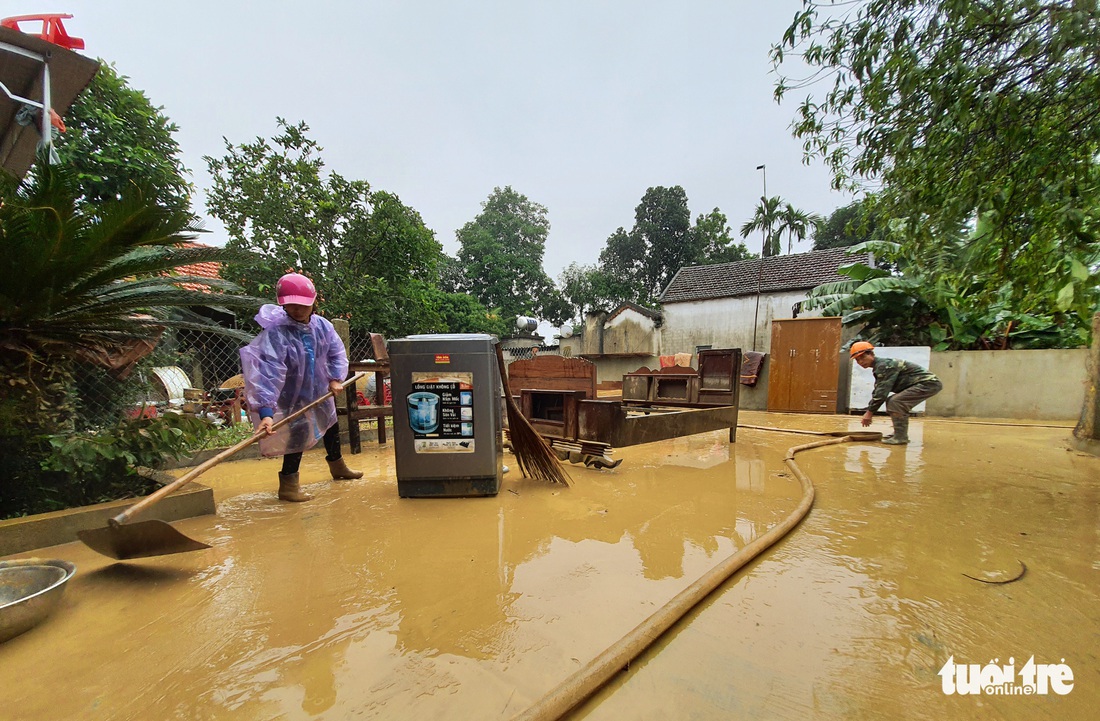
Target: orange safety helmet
(859, 348)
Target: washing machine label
(441, 412)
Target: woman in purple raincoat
(296, 359)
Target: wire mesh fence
(190, 372)
(528, 353)
(200, 372)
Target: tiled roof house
(780, 274)
(718, 306)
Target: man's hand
(265, 425)
(867, 418)
(335, 387)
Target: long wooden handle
(503, 372)
(202, 468)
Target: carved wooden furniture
(558, 395)
(553, 373)
(714, 384)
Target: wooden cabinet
(805, 365)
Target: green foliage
(962, 110)
(643, 261)
(714, 242)
(847, 226)
(501, 258)
(636, 266)
(78, 469)
(120, 450)
(372, 258)
(212, 436)
(116, 138)
(82, 282)
(589, 289)
(85, 279)
(772, 218)
(461, 313)
(939, 305)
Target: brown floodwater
(360, 604)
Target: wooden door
(805, 365)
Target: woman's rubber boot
(901, 432)
(341, 472)
(289, 489)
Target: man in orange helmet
(909, 383)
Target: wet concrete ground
(360, 604)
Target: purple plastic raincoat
(288, 365)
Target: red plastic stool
(53, 30)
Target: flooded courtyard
(360, 604)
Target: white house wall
(725, 322)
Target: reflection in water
(854, 614)
(360, 604)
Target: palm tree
(774, 217)
(766, 219)
(797, 224)
(88, 282)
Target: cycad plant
(87, 283)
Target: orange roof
(201, 270)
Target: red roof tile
(201, 270)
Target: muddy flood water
(363, 605)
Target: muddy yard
(360, 604)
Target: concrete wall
(631, 332)
(617, 346)
(725, 322)
(1019, 384)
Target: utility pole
(763, 252)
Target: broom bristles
(535, 456)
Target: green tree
(662, 225)
(714, 242)
(372, 257)
(957, 110)
(637, 265)
(385, 270)
(774, 218)
(846, 226)
(461, 313)
(624, 263)
(588, 289)
(501, 257)
(116, 139)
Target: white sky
(580, 105)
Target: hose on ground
(590, 678)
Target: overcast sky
(581, 105)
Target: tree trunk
(1087, 431)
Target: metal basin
(30, 588)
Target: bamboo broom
(536, 458)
